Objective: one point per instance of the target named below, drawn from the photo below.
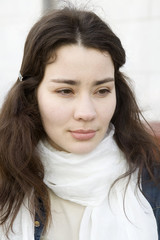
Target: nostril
(86, 116)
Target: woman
(76, 160)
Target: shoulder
(151, 191)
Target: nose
(85, 109)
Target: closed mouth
(83, 134)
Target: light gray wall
(16, 19)
(48, 4)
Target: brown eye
(103, 92)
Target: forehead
(76, 61)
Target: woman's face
(77, 98)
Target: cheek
(113, 107)
(108, 110)
(54, 114)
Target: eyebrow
(75, 83)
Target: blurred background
(136, 22)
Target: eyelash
(67, 92)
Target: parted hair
(21, 170)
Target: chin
(82, 150)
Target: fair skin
(77, 98)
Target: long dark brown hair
(21, 170)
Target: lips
(83, 134)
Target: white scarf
(86, 180)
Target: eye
(65, 92)
(103, 92)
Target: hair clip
(20, 77)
